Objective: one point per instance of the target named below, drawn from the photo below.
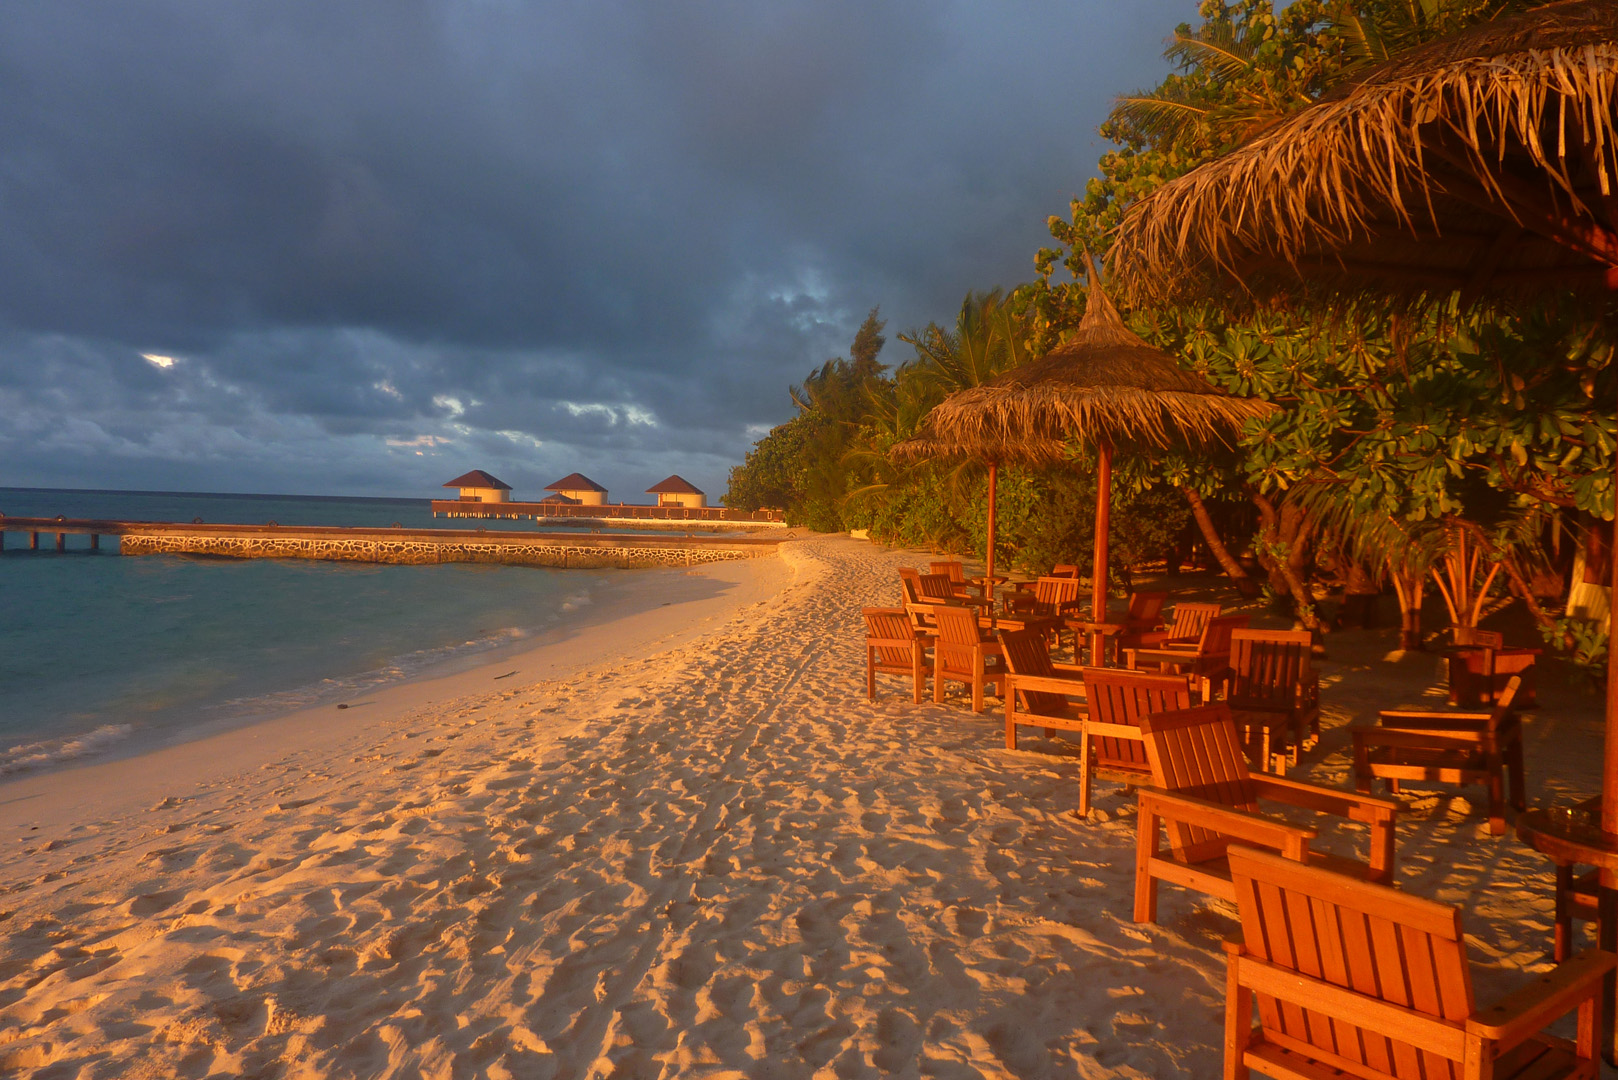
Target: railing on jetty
(392, 545)
(612, 513)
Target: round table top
(1569, 835)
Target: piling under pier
(402, 546)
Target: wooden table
(1572, 836)
(1100, 634)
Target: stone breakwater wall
(420, 552)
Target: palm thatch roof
(1105, 384)
(1485, 162)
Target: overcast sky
(360, 248)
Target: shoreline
(657, 610)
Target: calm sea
(102, 654)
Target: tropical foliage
(1456, 456)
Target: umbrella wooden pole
(1609, 764)
(1098, 569)
(988, 586)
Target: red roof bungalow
(479, 486)
(677, 491)
(581, 489)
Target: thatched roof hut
(1485, 162)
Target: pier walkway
(391, 545)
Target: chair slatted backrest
(1027, 654)
(1191, 619)
(1146, 607)
(890, 624)
(958, 635)
(1367, 938)
(935, 587)
(1120, 696)
(1268, 666)
(910, 583)
(1217, 634)
(952, 570)
(1050, 593)
(1198, 752)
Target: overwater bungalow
(479, 486)
(581, 489)
(677, 491)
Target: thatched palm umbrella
(1485, 162)
(1104, 386)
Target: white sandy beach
(682, 844)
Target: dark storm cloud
(385, 240)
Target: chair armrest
(1423, 718)
(1524, 1012)
(897, 643)
(1227, 821)
(1348, 804)
(1105, 730)
(1416, 738)
(1070, 687)
(1071, 669)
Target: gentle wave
(26, 756)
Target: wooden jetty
(615, 514)
(391, 545)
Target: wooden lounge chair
(1204, 798)
(1447, 747)
(1207, 661)
(1351, 979)
(965, 591)
(1039, 692)
(893, 646)
(1274, 688)
(1111, 738)
(1480, 669)
(1189, 620)
(961, 653)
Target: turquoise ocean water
(102, 654)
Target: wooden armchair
(1208, 660)
(1190, 619)
(1039, 693)
(894, 646)
(1205, 798)
(1447, 747)
(1275, 688)
(1351, 979)
(1480, 668)
(962, 654)
(1051, 597)
(1064, 570)
(1110, 738)
(964, 591)
(1145, 611)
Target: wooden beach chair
(894, 646)
(1480, 668)
(1447, 747)
(1207, 661)
(1275, 688)
(1204, 798)
(1039, 692)
(1185, 631)
(961, 653)
(1350, 979)
(1111, 741)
